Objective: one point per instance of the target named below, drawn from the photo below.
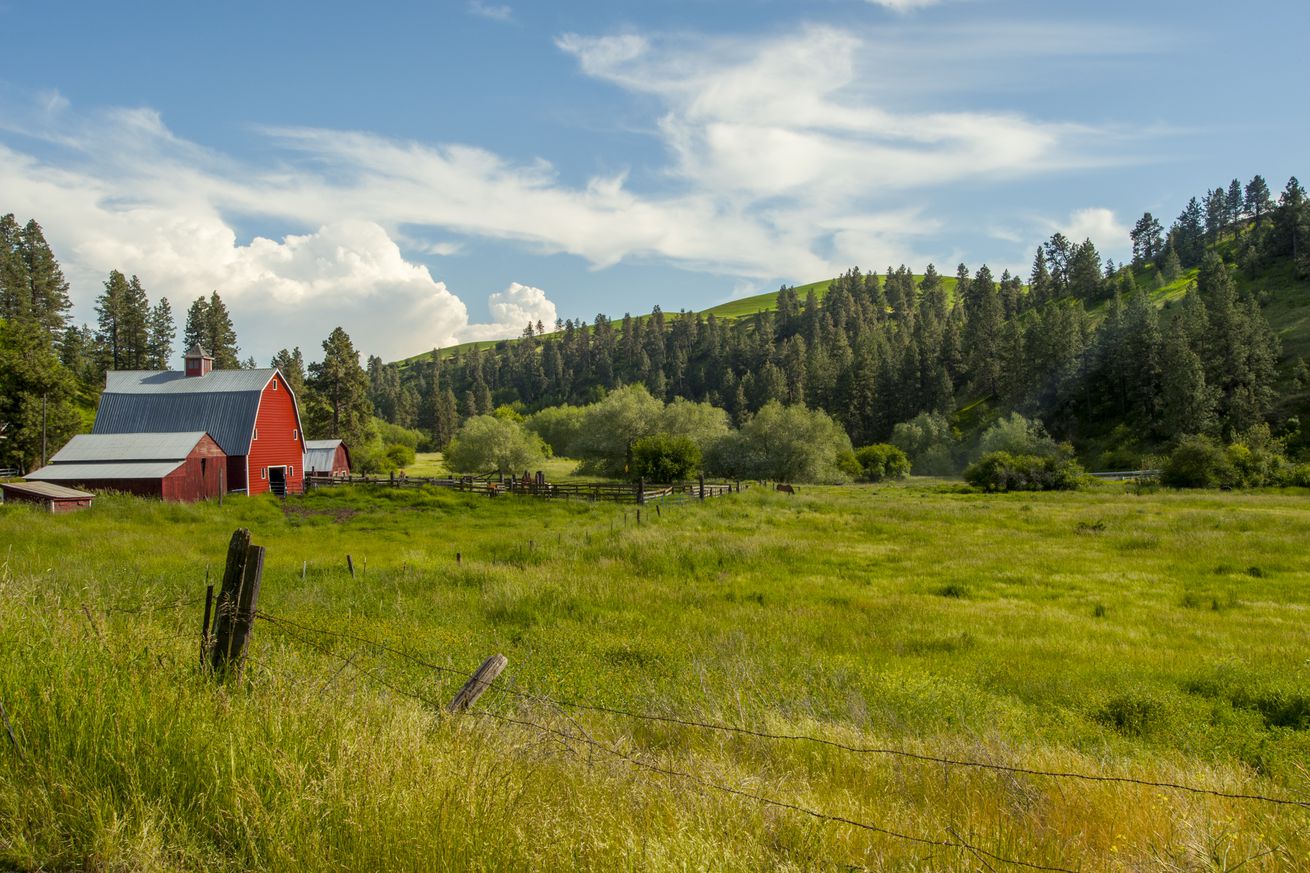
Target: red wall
(280, 442)
(195, 480)
(340, 465)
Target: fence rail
(638, 493)
(1124, 475)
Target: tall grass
(1162, 636)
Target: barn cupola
(197, 362)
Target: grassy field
(1159, 636)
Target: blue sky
(434, 172)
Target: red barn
(183, 467)
(251, 414)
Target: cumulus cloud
(1098, 224)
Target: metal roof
(102, 471)
(222, 403)
(45, 489)
(120, 447)
(321, 454)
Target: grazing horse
(785, 488)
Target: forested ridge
(1119, 359)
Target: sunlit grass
(1163, 636)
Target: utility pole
(43, 441)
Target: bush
(664, 458)
(1017, 435)
(785, 444)
(702, 423)
(1197, 462)
(559, 427)
(882, 461)
(399, 456)
(611, 426)
(929, 442)
(489, 443)
(1002, 471)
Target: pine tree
(111, 316)
(1187, 404)
(1258, 200)
(982, 332)
(291, 364)
(342, 386)
(1148, 240)
(15, 289)
(163, 330)
(221, 335)
(134, 330)
(48, 302)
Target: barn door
(277, 481)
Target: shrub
(1017, 435)
(489, 443)
(1001, 471)
(783, 443)
(399, 455)
(1197, 462)
(929, 442)
(702, 423)
(882, 461)
(559, 427)
(611, 426)
(664, 458)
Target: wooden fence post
(350, 564)
(478, 683)
(204, 628)
(237, 601)
(701, 481)
(641, 491)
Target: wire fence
(808, 738)
(707, 785)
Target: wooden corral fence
(536, 486)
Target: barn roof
(222, 402)
(320, 454)
(104, 471)
(120, 447)
(45, 489)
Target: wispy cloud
(494, 11)
(784, 161)
(904, 5)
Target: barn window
(255, 436)
(295, 434)
(274, 384)
(291, 471)
(263, 472)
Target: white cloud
(494, 11)
(904, 5)
(785, 163)
(1097, 224)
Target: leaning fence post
(350, 565)
(478, 683)
(237, 601)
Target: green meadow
(1159, 636)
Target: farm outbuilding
(183, 467)
(251, 414)
(55, 498)
(327, 458)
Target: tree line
(1081, 345)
